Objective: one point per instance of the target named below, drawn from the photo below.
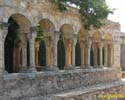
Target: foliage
(39, 37)
(92, 11)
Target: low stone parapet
(23, 85)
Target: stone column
(82, 56)
(32, 37)
(88, 53)
(105, 59)
(100, 54)
(111, 56)
(3, 34)
(47, 56)
(68, 54)
(95, 55)
(24, 58)
(55, 49)
(36, 53)
(73, 50)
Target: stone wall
(47, 83)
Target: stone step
(102, 91)
(95, 92)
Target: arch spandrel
(97, 37)
(48, 28)
(108, 38)
(83, 35)
(67, 31)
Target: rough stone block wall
(47, 83)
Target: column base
(23, 69)
(32, 69)
(86, 67)
(69, 67)
(50, 68)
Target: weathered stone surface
(46, 83)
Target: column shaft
(82, 57)
(105, 60)
(55, 54)
(88, 53)
(101, 57)
(32, 55)
(95, 56)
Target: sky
(119, 13)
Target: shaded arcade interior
(63, 49)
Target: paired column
(68, 53)
(51, 52)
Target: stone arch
(109, 48)
(83, 39)
(67, 34)
(108, 37)
(46, 35)
(66, 29)
(9, 11)
(17, 40)
(96, 42)
(47, 25)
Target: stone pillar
(73, 50)
(36, 53)
(3, 34)
(105, 59)
(55, 48)
(24, 56)
(88, 52)
(68, 54)
(47, 56)
(95, 55)
(32, 37)
(101, 55)
(111, 56)
(82, 56)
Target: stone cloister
(93, 44)
(96, 46)
(67, 56)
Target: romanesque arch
(83, 40)
(108, 49)
(16, 43)
(44, 45)
(67, 34)
(97, 47)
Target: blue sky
(119, 14)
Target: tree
(92, 12)
(39, 37)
